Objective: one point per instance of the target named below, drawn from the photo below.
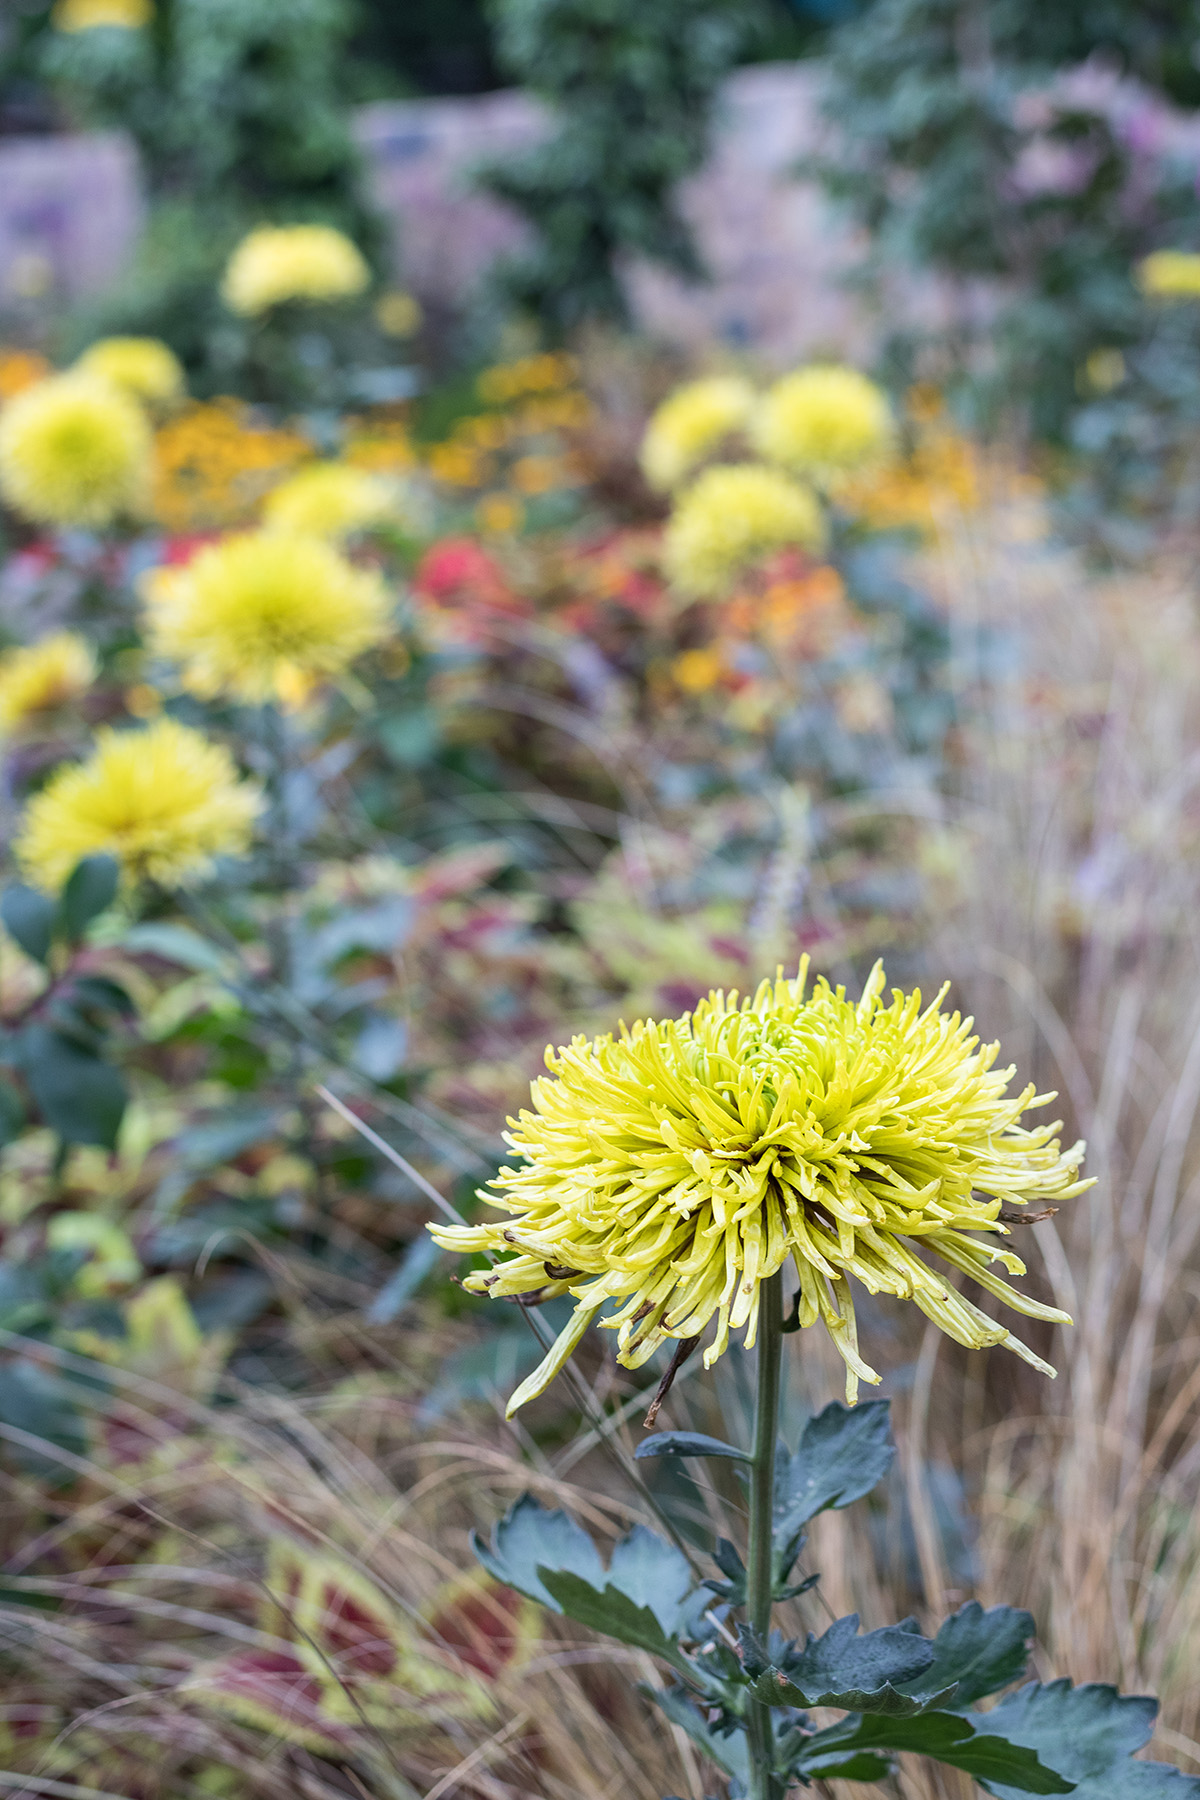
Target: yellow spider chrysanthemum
(73, 451)
(692, 423)
(823, 422)
(164, 801)
(264, 615)
(669, 1171)
(142, 367)
(86, 15)
(733, 514)
(276, 263)
(1170, 275)
(329, 500)
(42, 678)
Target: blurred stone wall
(70, 214)
(775, 251)
(70, 210)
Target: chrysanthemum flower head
(265, 615)
(37, 679)
(732, 515)
(665, 1173)
(74, 451)
(690, 424)
(143, 367)
(164, 801)
(1170, 275)
(276, 263)
(823, 422)
(329, 500)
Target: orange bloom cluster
(505, 448)
(21, 369)
(382, 445)
(213, 466)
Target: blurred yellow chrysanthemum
(823, 421)
(265, 615)
(276, 263)
(86, 15)
(1171, 275)
(164, 801)
(142, 367)
(73, 451)
(671, 1170)
(733, 514)
(692, 423)
(42, 678)
(329, 500)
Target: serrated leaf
(1139, 1781)
(1089, 1733)
(687, 1443)
(530, 1537)
(729, 1753)
(857, 1672)
(652, 1573)
(980, 1652)
(29, 920)
(608, 1610)
(90, 889)
(80, 1098)
(843, 1453)
(947, 1737)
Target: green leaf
(530, 1538)
(90, 889)
(610, 1611)
(980, 1652)
(845, 1669)
(687, 1443)
(29, 919)
(729, 1753)
(843, 1453)
(948, 1738)
(176, 944)
(79, 1097)
(38, 1402)
(12, 1113)
(1089, 1733)
(653, 1573)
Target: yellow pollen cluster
(164, 801)
(732, 515)
(264, 615)
(665, 1173)
(42, 678)
(277, 263)
(692, 423)
(74, 451)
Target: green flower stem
(759, 1571)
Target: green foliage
(959, 158)
(239, 112)
(631, 84)
(901, 1692)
